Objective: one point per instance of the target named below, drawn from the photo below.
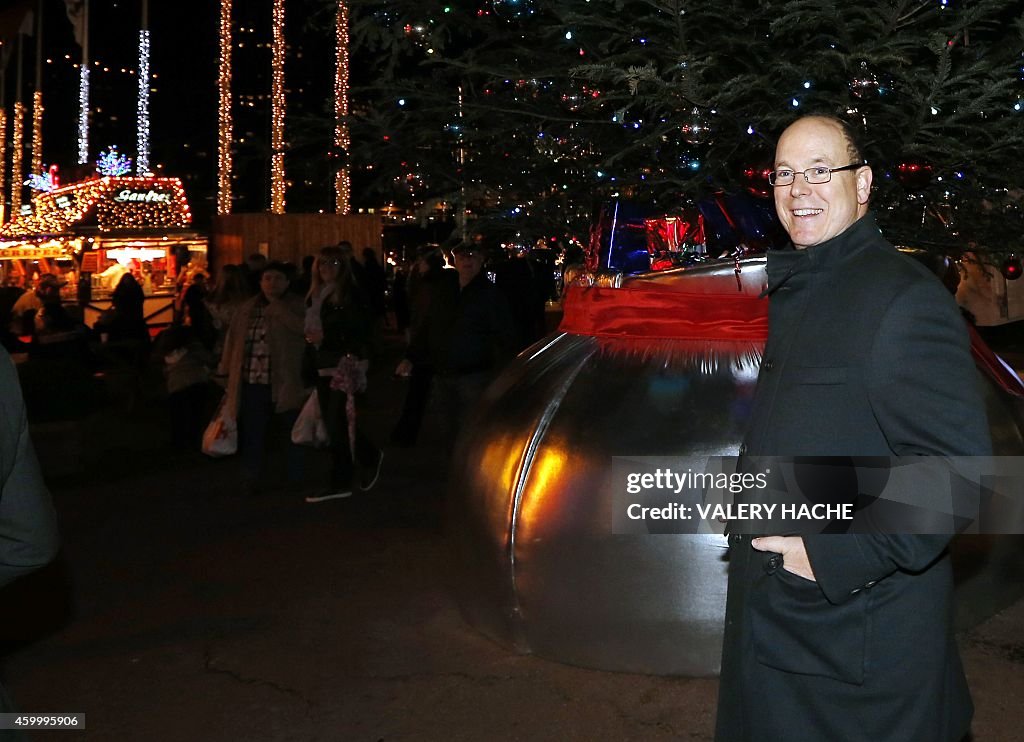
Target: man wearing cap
(848, 636)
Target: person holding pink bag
(338, 325)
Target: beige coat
(287, 344)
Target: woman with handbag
(262, 361)
(338, 324)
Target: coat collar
(784, 266)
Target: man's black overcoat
(867, 355)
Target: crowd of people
(265, 339)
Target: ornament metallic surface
(530, 505)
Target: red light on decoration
(914, 175)
(1012, 268)
(756, 180)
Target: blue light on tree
(112, 163)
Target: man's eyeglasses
(814, 175)
(330, 261)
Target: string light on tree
(224, 122)
(143, 104)
(277, 106)
(112, 163)
(342, 140)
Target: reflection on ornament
(696, 130)
(865, 85)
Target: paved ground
(180, 610)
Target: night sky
(183, 102)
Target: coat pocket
(795, 629)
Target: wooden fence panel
(289, 237)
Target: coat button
(743, 449)
(871, 584)
(768, 365)
(773, 563)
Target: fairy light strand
(142, 154)
(224, 122)
(83, 115)
(3, 163)
(36, 165)
(342, 140)
(17, 145)
(277, 183)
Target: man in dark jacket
(466, 334)
(849, 636)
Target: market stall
(93, 232)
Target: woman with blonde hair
(338, 323)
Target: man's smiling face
(813, 213)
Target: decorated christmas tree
(529, 113)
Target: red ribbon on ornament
(655, 313)
(661, 322)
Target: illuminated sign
(31, 253)
(148, 197)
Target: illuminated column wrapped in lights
(17, 146)
(83, 91)
(3, 152)
(277, 111)
(142, 140)
(36, 166)
(224, 123)
(342, 141)
(83, 115)
(36, 163)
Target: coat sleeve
(290, 313)
(28, 523)
(925, 395)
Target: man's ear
(864, 179)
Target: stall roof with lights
(110, 205)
